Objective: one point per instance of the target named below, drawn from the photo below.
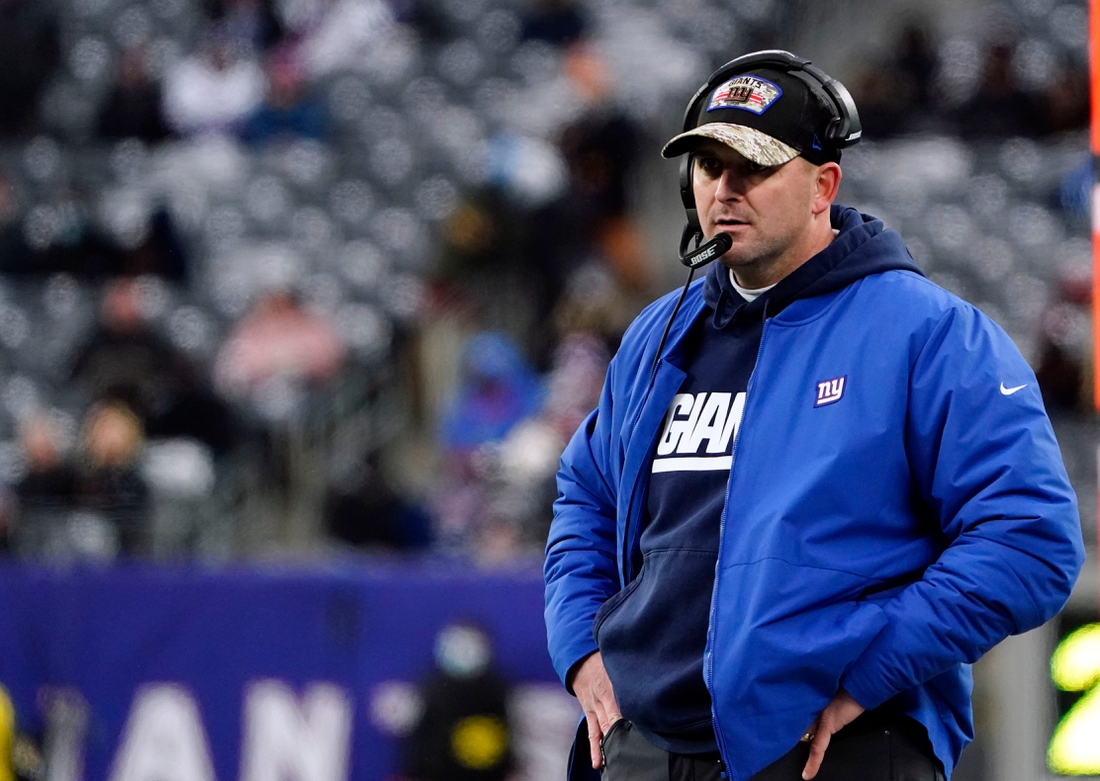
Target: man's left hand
(842, 710)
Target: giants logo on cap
(745, 92)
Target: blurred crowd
(1020, 80)
(298, 274)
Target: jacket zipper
(709, 678)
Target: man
(791, 525)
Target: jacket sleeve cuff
(567, 679)
(864, 688)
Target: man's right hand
(597, 699)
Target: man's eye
(756, 168)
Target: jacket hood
(863, 246)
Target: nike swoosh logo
(1009, 391)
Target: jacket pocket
(652, 641)
(612, 604)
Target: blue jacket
(879, 535)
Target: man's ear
(826, 185)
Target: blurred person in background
(30, 51)
(59, 235)
(1065, 101)
(214, 89)
(47, 492)
(463, 732)
(62, 237)
(497, 390)
(532, 244)
(896, 95)
(1001, 107)
(109, 486)
(274, 363)
(813, 451)
(127, 359)
(524, 463)
(278, 339)
(289, 111)
(250, 24)
(559, 22)
(1075, 193)
(1063, 344)
(601, 149)
(916, 61)
(151, 246)
(364, 510)
(135, 106)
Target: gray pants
(627, 756)
(874, 747)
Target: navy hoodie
(658, 631)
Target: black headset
(844, 130)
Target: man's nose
(731, 185)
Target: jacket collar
(862, 246)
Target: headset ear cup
(686, 188)
(848, 129)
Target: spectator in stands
(63, 237)
(60, 236)
(109, 485)
(498, 390)
(126, 359)
(1063, 343)
(48, 490)
(519, 495)
(1066, 101)
(915, 62)
(594, 304)
(134, 109)
(895, 95)
(154, 247)
(601, 150)
(574, 383)
(278, 339)
(366, 512)
(289, 111)
(1075, 192)
(250, 24)
(560, 22)
(1000, 107)
(214, 89)
(883, 108)
(29, 52)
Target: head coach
(817, 486)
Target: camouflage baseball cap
(770, 116)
